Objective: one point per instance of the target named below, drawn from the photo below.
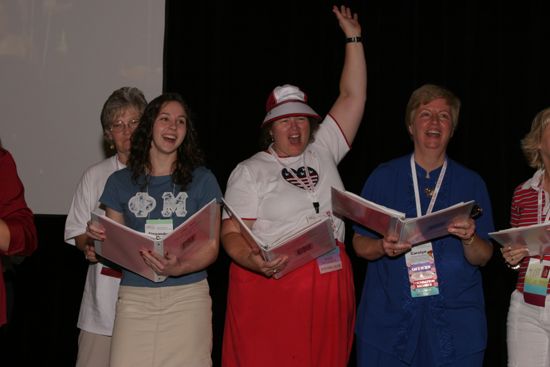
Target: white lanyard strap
(436, 190)
(147, 193)
(541, 208)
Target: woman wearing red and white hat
(305, 318)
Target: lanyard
(309, 187)
(540, 210)
(436, 191)
(147, 195)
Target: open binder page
(246, 232)
(374, 216)
(434, 225)
(300, 246)
(123, 244)
(304, 246)
(535, 237)
(384, 220)
(198, 230)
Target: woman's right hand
(392, 248)
(267, 268)
(513, 254)
(94, 231)
(348, 21)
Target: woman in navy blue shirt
(423, 305)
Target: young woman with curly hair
(167, 323)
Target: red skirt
(303, 319)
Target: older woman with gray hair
(529, 314)
(119, 117)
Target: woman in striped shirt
(529, 314)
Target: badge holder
(422, 272)
(159, 228)
(536, 282)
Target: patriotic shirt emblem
(299, 178)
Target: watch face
(476, 211)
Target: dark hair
(119, 100)
(189, 154)
(265, 133)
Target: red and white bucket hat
(287, 101)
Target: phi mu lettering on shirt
(141, 204)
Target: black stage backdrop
(225, 57)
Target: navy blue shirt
(453, 321)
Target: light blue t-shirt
(124, 195)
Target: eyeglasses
(119, 126)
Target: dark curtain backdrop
(226, 56)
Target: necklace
(429, 191)
(435, 190)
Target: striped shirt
(524, 212)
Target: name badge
(536, 282)
(422, 273)
(158, 228)
(330, 261)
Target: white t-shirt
(97, 310)
(261, 189)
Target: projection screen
(59, 61)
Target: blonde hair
(530, 143)
(426, 94)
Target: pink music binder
(123, 244)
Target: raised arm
(350, 104)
